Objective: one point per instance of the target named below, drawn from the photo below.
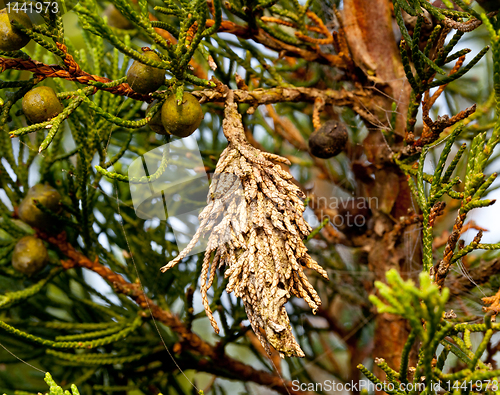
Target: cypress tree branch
(190, 340)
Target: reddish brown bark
(373, 46)
(369, 31)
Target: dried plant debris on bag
(255, 226)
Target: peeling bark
(374, 50)
(373, 46)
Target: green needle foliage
(100, 316)
(424, 308)
(58, 390)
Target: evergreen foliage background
(102, 317)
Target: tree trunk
(368, 26)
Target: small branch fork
(192, 341)
(468, 26)
(310, 54)
(359, 100)
(432, 129)
(443, 267)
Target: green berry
(31, 214)
(116, 19)
(143, 78)
(329, 140)
(41, 104)
(155, 124)
(12, 39)
(181, 120)
(30, 255)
